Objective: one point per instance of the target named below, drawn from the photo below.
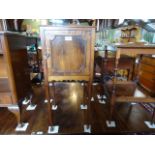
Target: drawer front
(5, 99)
(148, 60)
(147, 75)
(147, 68)
(148, 85)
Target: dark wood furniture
(11, 25)
(14, 72)
(120, 91)
(147, 73)
(107, 64)
(68, 54)
(33, 41)
(34, 59)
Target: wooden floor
(129, 118)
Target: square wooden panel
(70, 50)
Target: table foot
(111, 124)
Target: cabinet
(68, 54)
(14, 72)
(147, 73)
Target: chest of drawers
(147, 73)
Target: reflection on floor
(69, 96)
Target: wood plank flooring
(129, 118)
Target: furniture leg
(112, 101)
(105, 62)
(16, 110)
(47, 91)
(85, 103)
(52, 128)
(87, 126)
(129, 77)
(84, 94)
(26, 101)
(112, 105)
(53, 83)
(138, 67)
(131, 71)
(36, 46)
(49, 105)
(152, 122)
(104, 70)
(129, 112)
(89, 101)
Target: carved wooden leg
(16, 110)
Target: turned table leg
(113, 97)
